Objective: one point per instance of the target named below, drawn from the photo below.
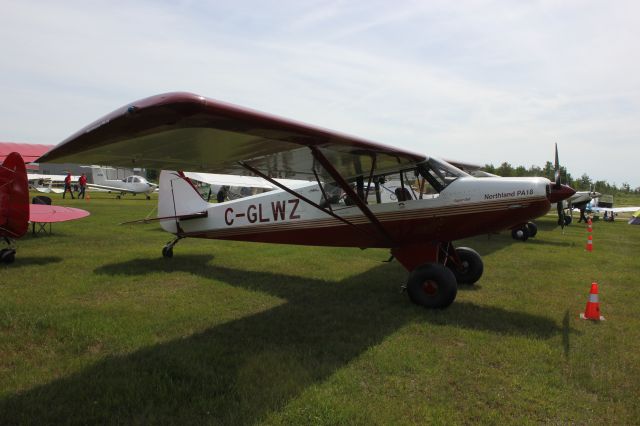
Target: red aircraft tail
(14, 197)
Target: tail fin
(14, 197)
(178, 197)
(99, 175)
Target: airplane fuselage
(467, 207)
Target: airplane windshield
(439, 173)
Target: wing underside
(183, 131)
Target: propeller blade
(557, 169)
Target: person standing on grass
(67, 186)
(82, 184)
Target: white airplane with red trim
(438, 203)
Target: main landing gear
(524, 232)
(436, 270)
(167, 250)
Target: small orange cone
(88, 198)
(592, 311)
(589, 246)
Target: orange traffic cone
(88, 197)
(589, 246)
(592, 311)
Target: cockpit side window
(439, 173)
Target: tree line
(584, 183)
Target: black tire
(472, 266)
(167, 252)
(432, 286)
(532, 228)
(520, 234)
(8, 255)
(567, 220)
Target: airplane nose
(559, 193)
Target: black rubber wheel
(8, 255)
(520, 234)
(117, 197)
(532, 228)
(472, 266)
(432, 286)
(567, 220)
(148, 197)
(167, 252)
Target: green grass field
(96, 327)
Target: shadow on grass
(22, 261)
(240, 371)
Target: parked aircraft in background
(46, 184)
(129, 185)
(190, 132)
(15, 210)
(239, 186)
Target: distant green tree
(505, 170)
(584, 183)
(548, 171)
(489, 168)
(152, 175)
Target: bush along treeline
(584, 183)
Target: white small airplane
(240, 186)
(130, 185)
(185, 131)
(45, 183)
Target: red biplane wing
(44, 213)
(183, 131)
(14, 197)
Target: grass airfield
(96, 327)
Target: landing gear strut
(167, 250)
(436, 270)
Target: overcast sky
(476, 81)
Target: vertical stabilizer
(99, 175)
(177, 197)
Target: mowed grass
(96, 327)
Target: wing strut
(302, 197)
(351, 193)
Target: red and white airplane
(15, 210)
(436, 203)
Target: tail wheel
(432, 286)
(470, 268)
(7, 255)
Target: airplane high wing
(434, 202)
(183, 131)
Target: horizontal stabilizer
(181, 217)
